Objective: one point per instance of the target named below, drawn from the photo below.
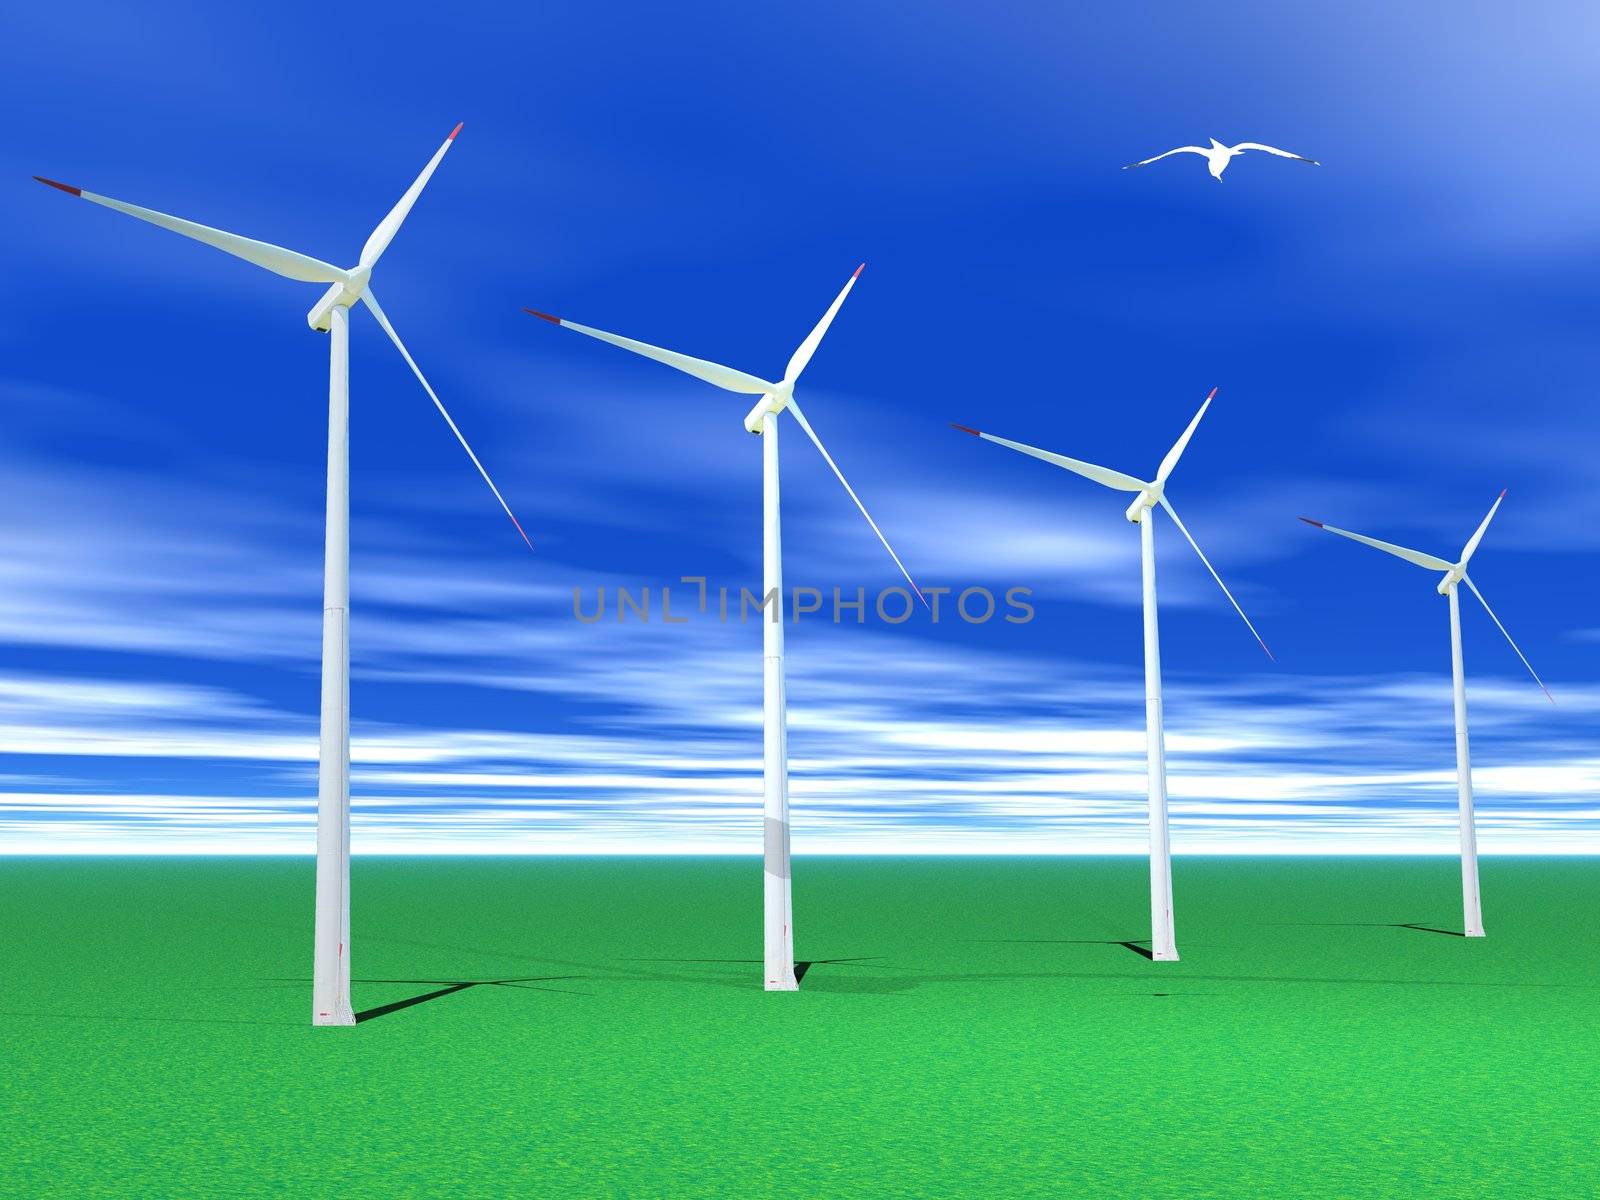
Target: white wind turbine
(1455, 574)
(1163, 941)
(778, 921)
(331, 967)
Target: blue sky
(1397, 335)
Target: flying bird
(1218, 156)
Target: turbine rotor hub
(1143, 503)
(773, 402)
(344, 293)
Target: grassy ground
(970, 1027)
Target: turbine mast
(1163, 937)
(330, 985)
(778, 899)
(1471, 906)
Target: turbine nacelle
(773, 402)
(1144, 502)
(1452, 577)
(343, 294)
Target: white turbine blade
(1178, 447)
(1411, 556)
(288, 263)
(802, 356)
(390, 225)
(372, 303)
(1101, 475)
(1471, 547)
(1173, 513)
(828, 458)
(1468, 580)
(715, 373)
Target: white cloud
(971, 774)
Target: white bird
(1151, 493)
(1455, 574)
(1218, 156)
(347, 286)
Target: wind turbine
(1455, 574)
(762, 419)
(331, 314)
(1163, 941)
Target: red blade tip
(1503, 492)
(859, 269)
(455, 131)
(544, 316)
(65, 187)
(1213, 395)
(1309, 521)
(964, 428)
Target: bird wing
(1274, 150)
(1200, 150)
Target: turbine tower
(331, 315)
(762, 419)
(1455, 574)
(1163, 939)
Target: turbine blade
(828, 458)
(802, 356)
(714, 373)
(372, 303)
(276, 259)
(1173, 513)
(1101, 475)
(1173, 455)
(390, 225)
(1471, 547)
(1468, 579)
(1411, 556)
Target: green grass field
(968, 1027)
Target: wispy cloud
(1028, 766)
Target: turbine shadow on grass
(906, 982)
(450, 988)
(802, 968)
(599, 972)
(1416, 925)
(383, 1010)
(447, 987)
(605, 971)
(1137, 945)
